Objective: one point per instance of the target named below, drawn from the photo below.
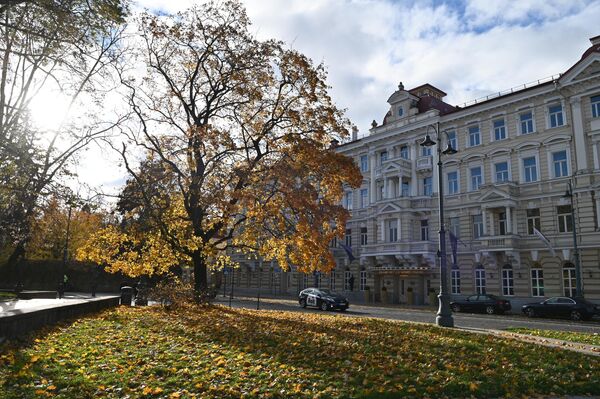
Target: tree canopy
(237, 133)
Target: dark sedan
(560, 306)
(489, 304)
(322, 299)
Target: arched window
(537, 280)
(508, 284)
(480, 279)
(569, 281)
(455, 280)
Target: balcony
(399, 247)
(499, 243)
(424, 163)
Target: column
(492, 224)
(580, 150)
(382, 230)
(385, 187)
(509, 221)
(398, 226)
(373, 187)
(596, 152)
(598, 212)
(400, 184)
(392, 188)
(484, 220)
(413, 176)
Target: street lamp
(444, 315)
(578, 284)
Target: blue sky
(467, 48)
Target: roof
(415, 90)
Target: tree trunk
(200, 277)
(17, 254)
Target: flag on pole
(454, 246)
(544, 240)
(348, 250)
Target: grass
(217, 352)
(7, 296)
(584, 338)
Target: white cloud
(468, 49)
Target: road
(425, 315)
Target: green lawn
(221, 353)
(7, 296)
(584, 338)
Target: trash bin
(126, 295)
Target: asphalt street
(424, 315)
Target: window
(363, 236)
(400, 111)
(502, 223)
(427, 186)
(530, 169)
(364, 163)
(595, 106)
(363, 280)
(533, 220)
(332, 280)
(364, 198)
(537, 282)
(333, 243)
(526, 120)
(555, 114)
(569, 281)
(559, 163)
(383, 156)
(347, 276)
(425, 151)
(404, 152)
(348, 237)
(475, 178)
(453, 182)
(405, 189)
(348, 200)
(452, 142)
(454, 226)
(380, 194)
(501, 172)
(474, 136)
(455, 281)
(477, 226)
(424, 230)
(508, 284)
(480, 280)
(499, 129)
(392, 228)
(565, 221)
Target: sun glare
(48, 109)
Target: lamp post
(578, 283)
(444, 315)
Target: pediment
(589, 66)
(388, 208)
(494, 194)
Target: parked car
(489, 304)
(322, 299)
(561, 306)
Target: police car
(322, 299)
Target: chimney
(354, 133)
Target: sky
(468, 49)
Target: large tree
(243, 129)
(65, 45)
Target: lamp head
(449, 150)
(427, 142)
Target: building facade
(517, 153)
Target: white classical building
(517, 152)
